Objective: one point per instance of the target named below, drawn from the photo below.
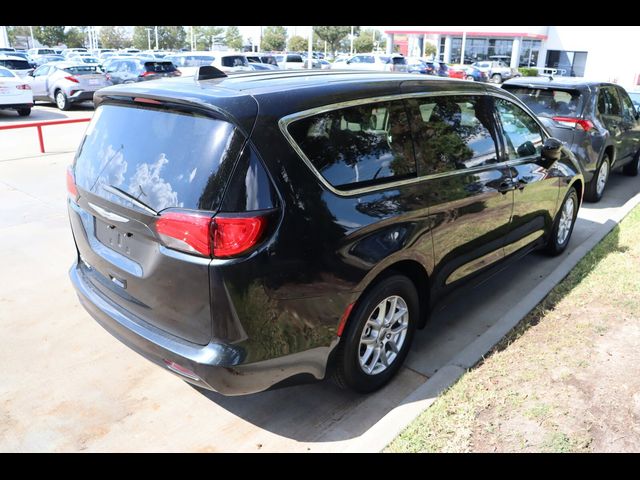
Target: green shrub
(528, 72)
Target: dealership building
(599, 53)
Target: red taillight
(585, 125)
(23, 87)
(218, 237)
(146, 74)
(343, 320)
(147, 100)
(232, 236)
(188, 232)
(71, 185)
(107, 76)
(180, 369)
(73, 79)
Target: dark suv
(241, 231)
(598, 122)
(139, 69)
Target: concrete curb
(393, 423)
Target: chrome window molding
(284, 123)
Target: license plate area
(116, 238)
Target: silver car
(66, 83)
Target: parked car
(66, 83)
(597, 120)
(70, 51)
(457, 71)
(42, 59)
(15, 93)
(314, 235)
(290, 61)
(475, 74)
(419, 65)
(257, 62)
(17, 65)
(189, 62)
(497, 71)
(7, 49)
(41, 51)
(635, 98)
(25, 56)
(376, 62)
(138, 69)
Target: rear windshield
(233, 61)
(164, 159)
(159, 67)
(549, 102)
(82, 70)
(15, 64)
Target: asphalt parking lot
(67, 385)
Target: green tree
(169, 38)
(332, 35)
(233, 38)
(50, 36)
(74, 38)
(18, 34)
(429, 49)
(203, 36)
(274, 39)
(114, 37)
(298, 44)
(364, 42)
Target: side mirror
(347, 62)
(551, 150)
(527, 149)
(30, 73)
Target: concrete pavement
(67, 385)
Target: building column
(515, 52)
(389, 43)
(4, 38)
(437, 43)
(447, 49)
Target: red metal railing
(39, 126)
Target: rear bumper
(80, 96)
(217, 366)
(16, 106)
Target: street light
(148, 29)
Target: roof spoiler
(207, 72)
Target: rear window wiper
(122, 194)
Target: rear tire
(563, 224)
(62, 101)
(470, 77)
(632, 167)
(378, 336)
(496, 78)
(595, 188)
(24, 112)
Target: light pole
(156, 28)
(148, 29)
(31, 32)
(310, 48)
(351, 49)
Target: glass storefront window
(529, 53)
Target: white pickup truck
(496, 70)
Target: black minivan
(268, 228)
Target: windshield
(549, 102)
(159, 67)
(164, 159)
(234, 61)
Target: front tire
(596, 186)
(496, 78)
(563, 225)
(378, 336)
(62, 101)
(470, 77)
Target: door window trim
(285, 121)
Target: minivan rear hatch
(136, 162)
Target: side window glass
(41, 71)
(523, 135)
(452, 133)
(615, 108)
(628, 109)
(358, 146)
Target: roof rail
(207, 72)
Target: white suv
(377, 62)
(189, 62)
